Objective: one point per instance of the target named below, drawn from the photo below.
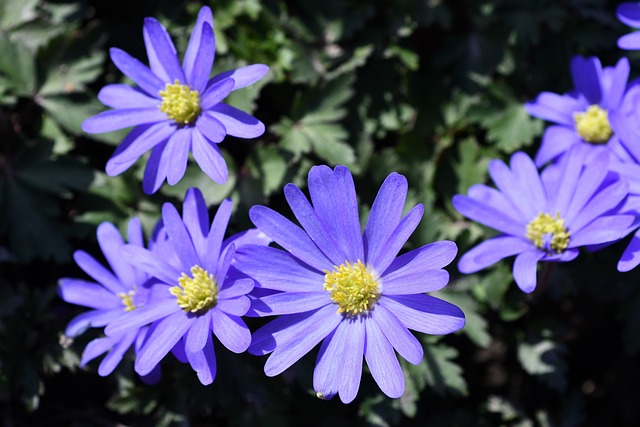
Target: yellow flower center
(352, 287)
(196, 294)
(593, 125)
(180, 103)
(127, 299)
(548, 233)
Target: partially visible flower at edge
(581, 117)
(114, 293)
(175, 108)
(347, 290)
(629, 14)
(544, 217)
(197, 291)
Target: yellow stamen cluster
(127, 300)
(593, 125)
(180, 103)
(352, 287)
(547, 232)
(198, 293)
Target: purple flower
(116, 292)
(334, 285)
(581, 117)
(629, 14)
(544, 217)
(196, 290)
(174, 108)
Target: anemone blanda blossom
(544, 217)
(629, 14)
(334, 285)
(581, 117)
(112, 295)
(175, 108)
(195, 291)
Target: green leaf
(17, 65)
(70, 111)
(476, 326)
(512, 128)
(471, 167)
(14, 13)
(544, 359)
(270, 167)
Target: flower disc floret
(180, 103)
(127, 300)
(196, 294)
(352, 287)
(549, 233)
(593, 125)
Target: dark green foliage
(431, 89)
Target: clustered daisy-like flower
(175, 108)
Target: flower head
(629, 14)
(334, 285)
(196, 290)
(582, 117)
(544, 217)
(113, 294)
(175, 107)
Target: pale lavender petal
(566, 184)
(599, 204)
(630, 41)
(385, 215)
(97, 347)
(216, 234)
(424, 313)
(629, 13)
(93, 268)
(491, 251)
(507, 181)
(149, 262)
(614, 83)
(194, 47)
(397, 239)
(529, 179)
(162, 53)
(238, 306)
(298, 339)
(236, 288)
(309, 220)
(290, 302)
(113, 358)
(136, 71)
(398, 335)
(601, 230)
(196, 219)
(428, 257)
(243, 76)
(156, 171)
(87, 294)
(415, 281)
(488, 215)
(328, 189)
(91, 319)
(236, 122)
(198, 333)
(524, 270)
(111, 243)
(204, 363)
(160, 341)
(493, 197)
(631, 256)
(382, 362)
(179, 237)
(590, 180)
(113, 167)
(121, 118)
(288, 235)
(208, 156)
(123, 96)
(142, 316)
(556, 141)
(198, 74)
(146, 141)
(224, 263)
(216, 93)
(177, 154)
(326, 374)
(231, 331)
(555, 108)
(263, 340)
(351, 369)
(277, 269)
(587, 77)
(210, 127)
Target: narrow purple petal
(415, 282)
(177, 154)
(194, 47)
(236, 122)
(123, 96)
(488, 215)
(156, 170)
(96, 348)
(288, 235)
(160, 341)
(114, 167)
(524, 270)
(204, 363)
(198, 333)
(147, 140)
(91, 319)
(397, 239)
(243, 76)
(385, 215)
(508, 183)
(238, 306)
(278, 270)
(263, 340)
(424, 313)
(330, 189)
(216, 93)
(216, 234)
(599, 204)
(236, 288)
(494, 198)
(201, 69)
(602, 230)
(432, 256)
(208, 156)
(529, 178)
(121, 118)
(179, 237)
(196, 219)
(398, 335)
(587, 77)
(114, 357)
(556, 141)
(210, 127)
(290, 302)
(137, 71)
(555, 108)
(630, 41)
(491, 251)
(614, 83)
(631, 256)
(162, 52)
(97, 272)
(87, 294)
(231, 331)
(111, 243)
(326, 374)
(382, 362)
(147, 261)
(566, 184)
(629, 13)
(351, 369)
(142, 316)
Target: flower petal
(114, 167)
(631, 256)
(111, 243)
(97, 347)
(199, 73)
(243, 76)
(195, 47)
(156, 170)
(491, 251)
(151, 137)
(524, 270)
(236, 122)
(555, 108)
(216, 93)
(630, 41)
(210, 127)
(91, 319)
(238, 306)
(137, 71)
(121, 118)
(351, 369)
(142, 316)
(398, 335)
(488, 215)
(179, 237)
(147, 261)
(382, 362)
(123, 96)
(614, 83)
(216, 234)
(236, 288)
(629, 13)
(208, 156)
(231, 331)
(161, 52)
(114, 357)
(162, 337)
(424, 313)
(204, 363)
(432, 256)
(290, 302)
(556, 141)
(587, 77)
(602, 230)
(97, 272)
(196, 219)
(177, 154)
(397, 239)
(326, 374)
(602, 202)
(198, 333)
(87, 294)
(415, 282)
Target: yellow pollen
(196, 294)
(548, 233)
(180, 103)
(127, 299)
(352, 287)
(593, 125)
